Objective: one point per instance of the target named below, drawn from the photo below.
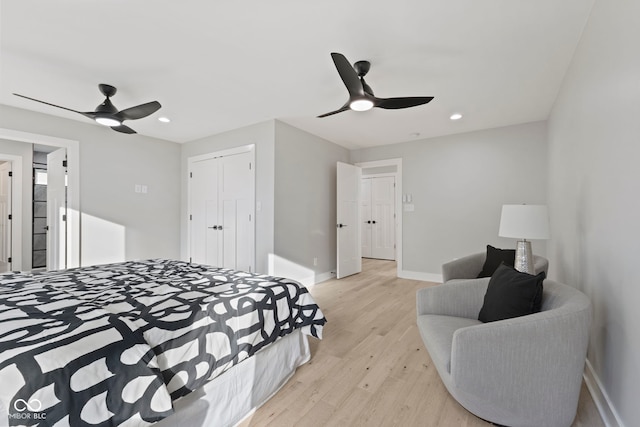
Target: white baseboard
(600, 397)
(317, 278)
(418, 275)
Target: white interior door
(221, 205)
(365, 216)
(205, 238)
(378, 219)
(235, 197)
(383, 227)
(349, 257)
(56, 210)
(5, 212)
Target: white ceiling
(220, 65)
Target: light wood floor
(371, 368)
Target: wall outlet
(315, 261)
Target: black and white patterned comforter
(117, 344)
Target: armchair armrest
(460, 299)
(467, 267)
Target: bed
(140, 343)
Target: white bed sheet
(230, 398)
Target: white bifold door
(378, 218)
(221, 211)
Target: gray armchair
(470, 266)
(519, 372)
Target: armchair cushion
(511, 294)
(495, 257)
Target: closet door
(236, 211)
(378, 220)
(383, 236)
(221, 204)
(365, 216)
(203, 188)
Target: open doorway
(381, 221)
(20, 146)
(354, 223)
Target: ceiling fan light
(455, 116)
(108, 121)
(361, 105)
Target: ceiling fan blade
(404, 102)
(139, 111)
(347, 74)
(123, 129)
(48, 103)
(345, 107)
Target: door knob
(342, 225)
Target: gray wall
(594, 147)
(459, 183)
(305, 202)
(262, 135)
(117, 223)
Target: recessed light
(164, 119)
(455, 116)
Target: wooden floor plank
(371, 368)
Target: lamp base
(524, 257)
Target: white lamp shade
(524, 222)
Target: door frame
(251, 149)
(398, 202)
(73, 192)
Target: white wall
(262, 135)
(116, 223)
(594, 194)
(458, 185)
(305, 204)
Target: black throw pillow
(511, 294)
(495, 257)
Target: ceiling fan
(107, 114)
(361, 97)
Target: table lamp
(524, 222)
